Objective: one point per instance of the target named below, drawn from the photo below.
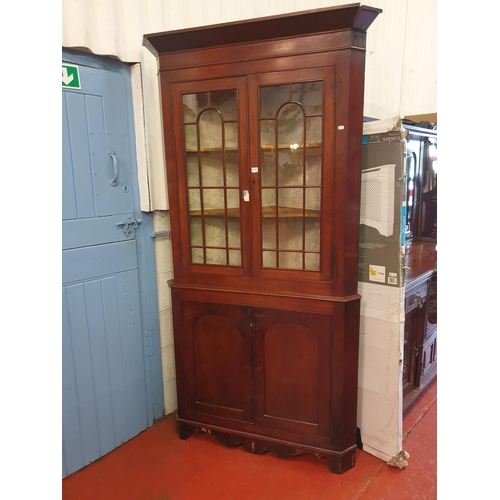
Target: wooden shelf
(312, 145)
(231, 149)
(288, 212)
(267, 213)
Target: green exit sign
(70, 77)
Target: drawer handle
(419, 299)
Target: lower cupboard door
(292, 370)
(216, 360)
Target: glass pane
(225, 102)
(233, 202)
(212, 173)
(314, 130)
(268, 171)
(231, 136)
(291, 126)
(232, 173)
(312, 235)
(194, 200)
(190, 140)
(267, 133)
(312, 230)
(268, 202)
(210, 126)
(197, 255)
(271, 98)
(313, 166)
(290, 260)
(310, 95)
(269, 233)
(195, 220)
(291, 198)
(231, 154)
(269, 259)
(213, 200)
(193, 174)
(193, 104)
(234, 231)
(215, 232)
(217, 257)
(267, 168)
(233, 222)
(291, 167)
(312, 262)
(313, 199)
(234, 257)
(291, 234)
(267, 153)
(195, 231)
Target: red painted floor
(157, 465)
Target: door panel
(69, 197)
(93, 132)
(429, 358)
(78, 167)
(292, 371)
(94, 231)
(217, 360)
(73, 452)
(79, 350)
(94, 261)
(282, 342)
(412, 322)
(218, 372)
(107, 398)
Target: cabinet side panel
(345, 348)
(353, 180)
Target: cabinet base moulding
(338, 462)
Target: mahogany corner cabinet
(262, 125)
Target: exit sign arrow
(70, 76)
(67, 79)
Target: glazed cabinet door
(212, 180)
(292, 372)
(214, 356)
(291, 114)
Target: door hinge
(128, 225)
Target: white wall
(400, 81)
(401, 59)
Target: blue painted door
(111, 365)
